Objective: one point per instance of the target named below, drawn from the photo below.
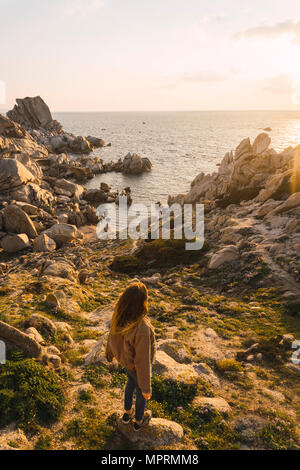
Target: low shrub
(279, 434)
(157, 254)
(229, 365)
(30, 394)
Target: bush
(292, 307)
(126, 264)
(229, 365)
(43, 443)
(29, 394)
(157, 254)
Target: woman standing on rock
(131, 341)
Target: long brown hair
(131, 307)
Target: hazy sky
(110, 55)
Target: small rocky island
(225, 317)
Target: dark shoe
(126, 418)
(147, 416)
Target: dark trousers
(140, 402)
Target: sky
(151, 55)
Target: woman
(131, 341)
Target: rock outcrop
(16, 338)
(33, 113)
(135, 165)
(14, 139)
(159, 432)
(14, 243)
(251, 171)
(15, 220)
(226, 255)
(13, 174)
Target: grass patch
(90, 432)
(95, 375)
(44, 443)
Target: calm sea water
(179, 144)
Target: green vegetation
(157, 254)
(85, 396)
(89, 432)
(208, 428)
(172, 393)
(100, 376)
(44, 442)
(280, 433)
(30, 394)
(95, 375)
(126, 264)
(229, 365)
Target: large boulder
(62, 233)
(159, 432)
(243, 149)
(80, 145)
(13, 243)
(32, 166)
(226, 255)
(174, 348)
(217, 403)
(44, 243)
(135, 165)
(261, 143)
(15, 220)
(166, 366)
(96, 195)
(13, 337)
(75, 190)
(281, 184)
(80, 173)
(10, 129)
(32, 193)
(59, 269)
(14, 139)
(95, 141)
(69, 143)
(31, 113)
(13, 174)
(41, 324)
(292, 202)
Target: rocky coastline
(225, 317)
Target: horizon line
(171, 111)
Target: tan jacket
(134, 350)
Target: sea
(180, 145)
